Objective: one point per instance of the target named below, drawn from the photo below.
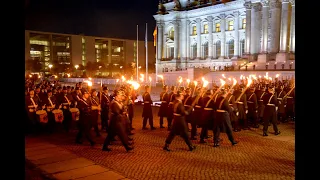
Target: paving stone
(109, 175)
(80, 172)
(53, 158)
(66, 165)
(54, 150)
(43, 146)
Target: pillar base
(262, 58)
(282, 57)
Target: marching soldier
(131, 98)
(32, 104)
(51, 104)
(290, 104)
(147, 109)
(252, 108)
(234, 108)
(270, 111)
(196, 113)
(170, 106)
(187, 101)
(179, 125)
(65, 101)
(164, 98)
(207, 115)
(94, 100)
(85, 120)
(222, 119)
(105, 101)
(281, 104)
(116, 125)
(242, 107)
(260, 93)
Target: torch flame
(249, 82)
(223, 76)
(161, 76)
(188, 81)
(234, 81)
(270, 78)
(205, 82)
(180, 80)
(195, 83)
(142, 77)
(150, 79)
(135, 84)
(222, 82)
(277, 75)
(123, 78)
(89, 83)
(229, 79)
(259, 77)
(117, 80)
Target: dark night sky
(105, 18)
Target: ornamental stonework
(275, 4)
(247, 5)
(257, 7)
(265, 2)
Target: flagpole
(146, 44)
(137, 54)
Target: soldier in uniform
(260, 93)
(116, 125)
(147, 110)
(222, 119)
(179, 124)
(252, 115)
(51, 104)
(207, 115)
(187, 101)
(290, 99)
(170, 106)
(233, 114)
(242, 107)
(32, 104)
(105, 101)
(196, 113)
(281, 104)
(85, 119)
(94, 100)
(164, 98)
(65, 101)
(270, 111)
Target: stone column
(176, 39)
(223, 36)
(262, 57)
(210, 42)
(248, 5)
(274, 34)
(255, 28)
(188, 40)
(198, 38)
(236, 35)
(183, 40)
(284, 30)
(159, 41)
(164, 43)
(292, 29)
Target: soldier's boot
(166, 147)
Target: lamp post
(76, 66)
(50, 66)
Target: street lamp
(76, 66)
(50, 66)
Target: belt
(249, 102)
(198, 106)
(171, 103)
(146, 102)
(187, 105)
(289, 97)
(261, 100)
(279, 98)
(218, 110)
(240, 102)
(271, 105)
(176, 114)
(163, 101)
(208, 109)
(230, 104)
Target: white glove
(246, 111)
(276, 108)
(237, 113)
(279, 102)
(43, 107)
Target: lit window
(230, 26)
(83, 40)
(68, 45)
(171, 33)
(44, 43)
(96, 46)
(104, 46)
(194, 30)
(243, 23)
(117, 49)
(218, 27)
(206, 29)
(46, 48)
(83, 57)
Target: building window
(230, 26)
(171, 34)
(242, 44)
(231, 48)
(83, 40)
(244, 23)
(205, 50)
(218, 27)
(218, 49)
(194, 30)
(171, 52)
(206, 31)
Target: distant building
(47, 47)
(212, 33)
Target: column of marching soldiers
(51, 107)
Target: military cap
(64, 88)
(188, 89)
(85, 91)
(179, 93)
(93, 90)
(208, 92)
(172, 88)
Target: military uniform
(196, 114)
(163, 110)
(242, 107)
(105, 101)
(233, 114)
(94, 100)
(66, 102)
(32, 105)
(252, 115)
(170, 109)
(51, 104)
(207, 116)
(281, 105)
(270, 113)
(147, 111)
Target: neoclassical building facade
(207, 33)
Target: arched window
(205, 50)
(171, 34)
(194, 30)
(205, 29)
(244, 23)
(218, 27)
(194, 51)
(218, 49)
(230, 26)
(231, 48)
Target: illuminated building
(204, 33)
